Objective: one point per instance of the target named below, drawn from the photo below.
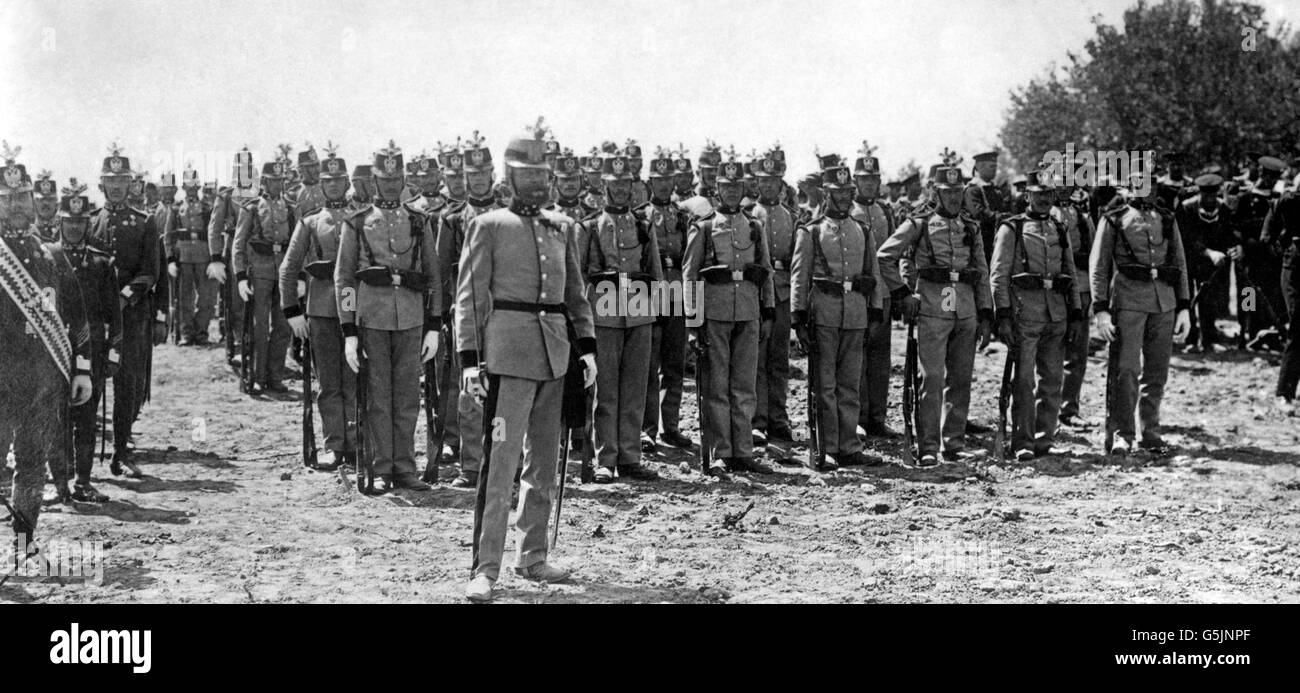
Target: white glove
(472, 382)
(1235, 252)
(81, 389)
(217, 271)
(1105, 327)
(173, 270)
(302, 288)
(1182, 324)
(245, 290)
(430, 346)
(351, 345)
(1215, 256)
(298, 324)
(588, 370)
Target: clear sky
(201, 79)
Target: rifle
(1112, 355)
(227, 313)
(246, 350)
(308, 424)
(816, 449)
(1004, 400)
(365, 472)
(174, 309)
(701, 395)
(559, 485)
(909, 394)
(575, 413)
(432, 438)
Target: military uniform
(390, 298)
(451, 240)
(875, 216)
(946, 262)
(778, 223)
(982, 201)
(221, 244)
(363, 181)
(1073, 214)
(1139, 276)
(1033, 276)
(312, 255)
(98, 281)
(619, 254)
(261, 237)
(309, 198)
(668, 222)
(447, 411)
(706, 197)
(1203, 223)
(640, 189)
(129, 235)
(835, 293)
(519, 285)
(726, 250)
(46, 195)
(187, 250)
(47, 350)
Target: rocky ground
(226, 513)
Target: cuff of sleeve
(767, 313)
(587, 345)
(173, 260)
(1002, 314)
(241, 276)
(1100, 306)
(292, 311)
(1074, 315)
(799, 317)
(900, 293)
(985, 314)
(83, 365)
(350, 329)
(468, 359)
(302, 276)
(1182, 304)
(432, 323)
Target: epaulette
(814, 221)
(705, 217)
(641, 208)
(95, 250)
(250, 203)
(454, 206)
(410, 208)
(137, 210)
(591, 216)
(361, 211)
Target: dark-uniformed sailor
(1174, 187)
(313, 251)
(895, 191)
(771, 418)
(668, 222)
(390, 306)
(309, 198)
(476, 161)
(1258, 262)
(620, 261)
(1038, 310)
(947, 293)
(188, 257)
(127, 232)
(872, 214)
(47, 346)
(706, 196)
(518, 286)
(982, 200)
(836, 294)
(1203, 223)
(46, 194)
(98, 282)
(1140, 300)
(261, 237)
(1072, 210)
(726, 250)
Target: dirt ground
(226, 513)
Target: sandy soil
(232, 516)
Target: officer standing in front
(519, 285)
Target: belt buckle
(778, 265)
(848, 286)
(954, 277)
(737, 276)
(668, 263)
(275, 247)
(397, 279)
(194, 236)
(1154, 272)
(1047, 284)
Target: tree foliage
(1209, 80)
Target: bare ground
(234, 517)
